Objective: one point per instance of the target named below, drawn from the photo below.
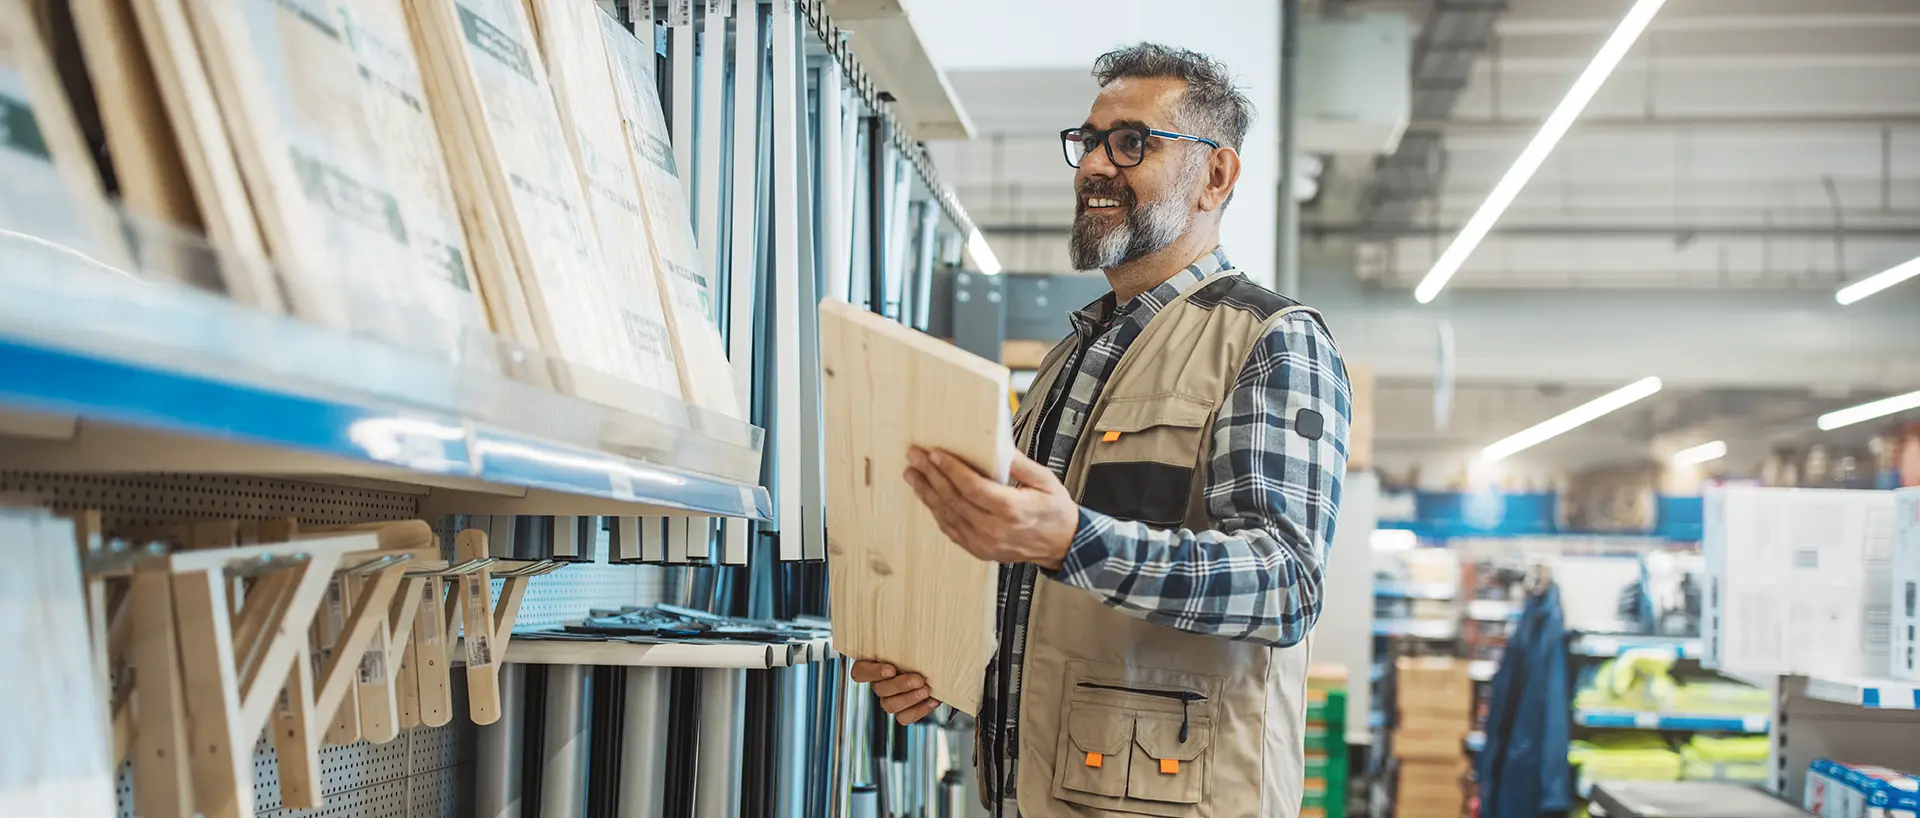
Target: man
(1174, 500)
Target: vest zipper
(1185, 697)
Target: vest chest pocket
(1095, 751)
(1142, 456)
(1165, 768)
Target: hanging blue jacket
(1523, 768)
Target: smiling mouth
(1100, 203)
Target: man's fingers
(866, 671)
(968, 483)
(917, 712)
(904, 702)
(900, 684)
(1031, 474)
(937, 479)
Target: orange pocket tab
(1094, 760)
(1110, 437)
(1169, 766)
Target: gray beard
(1147, 229)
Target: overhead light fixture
(1700, 454)
(983, 256)
(1589, 82)
(1877, 282)
(1571, 419)
(1868, 411)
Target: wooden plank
(370, 605)
(313, 141)
(431, 650)
(222, 758)
(147, 165)
(900, 592)
(687, 279)
(487, 72)
(294, 739)
(162, 779)
(483, 664)
(576, 62)
(401, 654)
(52, 197)
(343, 720)
(54, 754)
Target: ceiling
(1766, 146)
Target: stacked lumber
(434, 173)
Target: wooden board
(301, 110)
(52, 193)
(686, 283)
(55, 756)
(900, 591)
(485, 69)
(577, 65)
(146, 158)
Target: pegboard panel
(131, 500)
(442, 794)
(567, 595)
(387, 800)
(342, 768)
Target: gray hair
(1213, 106)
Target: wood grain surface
(901, 592)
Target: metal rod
(718, 792)
(496, 778)
(681, 107)
(564, 783)
(877, 213)
(786, 273)
(1289, 279)
(643, 761)
(1664, 232)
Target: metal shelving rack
(122, 390)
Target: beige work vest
(1119, 716)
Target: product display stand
(1688, 799)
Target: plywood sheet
(55, 756)
(687, 280)
(314, 136)
(146, 158)
(486, 69)
(51, 193)
(901, 592)
(570, 41)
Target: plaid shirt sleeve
(1271, 494)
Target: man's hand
(1033, 520)
(905, 695)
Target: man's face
(1121, 214)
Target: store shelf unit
(1440, 629)
(105, 377)
(1392, 589)
(1608, 645)
(1873, 694)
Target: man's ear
(1223, 172)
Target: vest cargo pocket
(1094, 754)
(1143, 453)
(1166, 769)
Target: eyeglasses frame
(1108, 144)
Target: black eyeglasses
(1126, 146)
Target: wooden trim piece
(286, 634)
(294, 741)
(162, 777)
(433, 666)
(483, 665)
(222, 755)
(370, 607)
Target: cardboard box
(1447, 746)
(1432, 688)
(1797, 580)
(1428, 801)
(1432, 774)
(1904, 622)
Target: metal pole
(1289, 282)
(643, 763)
(496, 792)
(564, 785)
(877, 213)
(717, 793)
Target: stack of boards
(434, 173)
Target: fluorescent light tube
(1868, 411)
(1571, 419)
(983, 256)
(1700, 454)
(1877, 282)
(1536, 152)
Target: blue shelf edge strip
(1446, 514)
(1870, 697)
(60, 382)
(1679, 722)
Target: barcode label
(679, 12)
(373, 667)
(719, 8)
(479, 650)
(430, 596)
(285, 705)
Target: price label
(719, 8)
(1646, 721)
(679, 13)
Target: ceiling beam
(1676, 232)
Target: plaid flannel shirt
(1270, 494)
